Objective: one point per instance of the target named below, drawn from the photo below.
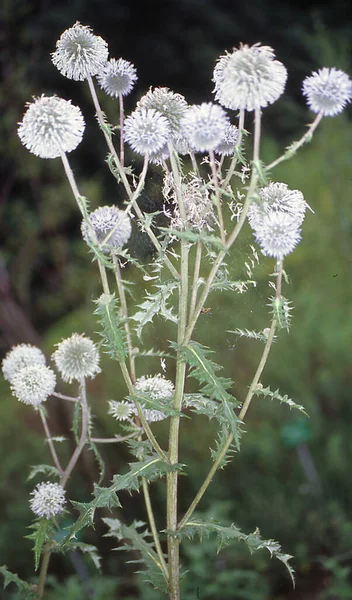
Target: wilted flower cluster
(117, 77)
(198, 206)
(155, 387)
(76, 357)
(48, 500)
(328, 91)
(107, 220)
(276, 219)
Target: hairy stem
(50, 442)
(151, 519)
(84, 434)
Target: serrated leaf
(112, 329)
(86, 519)
(22, 586)
(99, 460)
(92, 551)
(254, 335)
(43, 531)
(193, 237)
(164, 405)
(268, 393)
(155, 304)
(47, 470)
(281, 309)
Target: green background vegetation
(47, 285)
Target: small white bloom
(33, 384)
(117, 77)
(278, 234)
(121, 411)
(249, 78)
(22, 355)
(51, 126)
(77, 357)
(204, 126)
(228, 142)
(327, 91)
(172, 106)
(79, 53)
(154, 386)
(146, 131)
(48, 499)
(277, 197)
(108, 219)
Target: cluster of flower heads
(109, 223)
(276, 218)
(197, 204)
(154, 387)
(48, 500)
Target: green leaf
(76, 421)
(87, 549)
(254, 335)
(227, 535)
(43, 533)
(112, 327)
(47, 470)
(193, 237)
(22, 586)
(281, 309)
(101, 464)
(268, 393)
(156, 304)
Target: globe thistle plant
(327, 91)
(172, 106)
(51, 126)
(228, 143)
(146, 131)
(76, 357)
(278, 234)
(277, 197)
(79, 53)
(33, 384)
(104, 220)
(117, 77)
(48, 500)
(22, 355)
(249, 78)
(154, 386)
(121, 411)
(204, 126)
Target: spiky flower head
(121, 411)
(22, 355)
(204, 126)
(327, 91)
(154, 386)
(249, 78)
(197, 203)
(150, 414)
(172, 106)
(106, 220)
(277, 197)
(79, 53)
(76, 357)
(117, 77)
(48, 499)
(278, 234)
(33, 384)
(51, 126)
(146, 131)
(228, 142)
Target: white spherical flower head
(154, 386)
(79, 53)
(22, 355)
(228, 142)
(105, 220)
(277, 197)
(172, 106)
(117, 77)
(48, 500)
(77, 357)
(204, 126)
(34, 384)
(51, 126)
(146, 131)
(121, 411)
(327, 91)
(249, 78)
(150, 415)
(278, 234)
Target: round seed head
(105, 220)
(79, 53)
(51, 126)
(278, 234)
(249, 78)
(22, 355)
(228, 142)
(172, 106)
(154, 386)
(117, 77)
(48, 499)
(121, 411)
(277, 197)
(76, 357)
(204, 126)
(33, 384)
(146, 131)
(327, 91)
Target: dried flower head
(146, 131)
(48, 499)
(117, 77)
(106, 220)
(172, 106)
(154, 386)
(228, 142)
(151, 415)
(249, 78)
(327, 91)
(198, 206)
(33, 384)
(121, 411)
(277, 197)
(204, 126)
(51, 126)
(22, 355)
(77, 357)
(79, 53)
(278, 234)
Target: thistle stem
(196, 271)
(84, 434)
(124, 311)
(149, 509)
(43, 572)
(233, 164)
(122, 144)
(50, 442)
(217, 196)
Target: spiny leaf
(226, 535)
(76, 421)
(87, 549)
(86, 519)
(47, 470)
(99, 460)
(268, 393)
(43, 532)
(112, 330)
(193, 237)
(156, 304)
(221, 440)
(164, 405)
(281, 309)
(22, 586)
(255, 335)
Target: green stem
(50, 442)
(83, 437)
(43, 572)
(148, 505)
(217, 196)
(122, 144)
(196, 271)
(124, 311)
(233, 164)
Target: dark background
(292, 478)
